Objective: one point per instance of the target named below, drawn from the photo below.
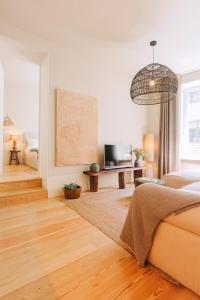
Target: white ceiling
(129, 23)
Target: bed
(31, 150)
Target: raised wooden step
(20, 184)
(12, 197)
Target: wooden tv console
(137, 172)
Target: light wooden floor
(49, 252)
(18, 172)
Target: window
(194, 96)
(190, 121)
(194, 131)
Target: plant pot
(136, 163)
(72, 194)
(94, 168)
(140, 163)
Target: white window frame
(195, 148)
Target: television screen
(117, 156)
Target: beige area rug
(106, 210)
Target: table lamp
(14, 139)
(149, 152)
(149, 147)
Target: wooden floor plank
(13, 238)
(49, 252)
(18, 172)
(41, 256)
(71, 276)
(9, 212)
(38, 218)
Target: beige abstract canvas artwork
(76, 128)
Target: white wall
(21, 99)
(191, 76)
(99, 73)
(92, 68)
(21, 94)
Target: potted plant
(139, 153)
(72, 190)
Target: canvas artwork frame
(76, 128)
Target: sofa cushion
(188, 220)
(181, 178)
(192, 187)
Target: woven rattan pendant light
(154, 84)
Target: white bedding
(31, 158)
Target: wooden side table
(141, 180)
(14, 157)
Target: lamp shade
(7, 121)
(149, 146)
(12, 137)
(154, 84)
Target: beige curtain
(167, 138)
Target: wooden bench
(94, 176)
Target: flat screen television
(117, 156)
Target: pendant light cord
(153, 44)
(153, 54)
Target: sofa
(176, 244)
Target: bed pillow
(32, 143)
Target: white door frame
(44, 120)
(1, 116)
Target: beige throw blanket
(150, 205)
